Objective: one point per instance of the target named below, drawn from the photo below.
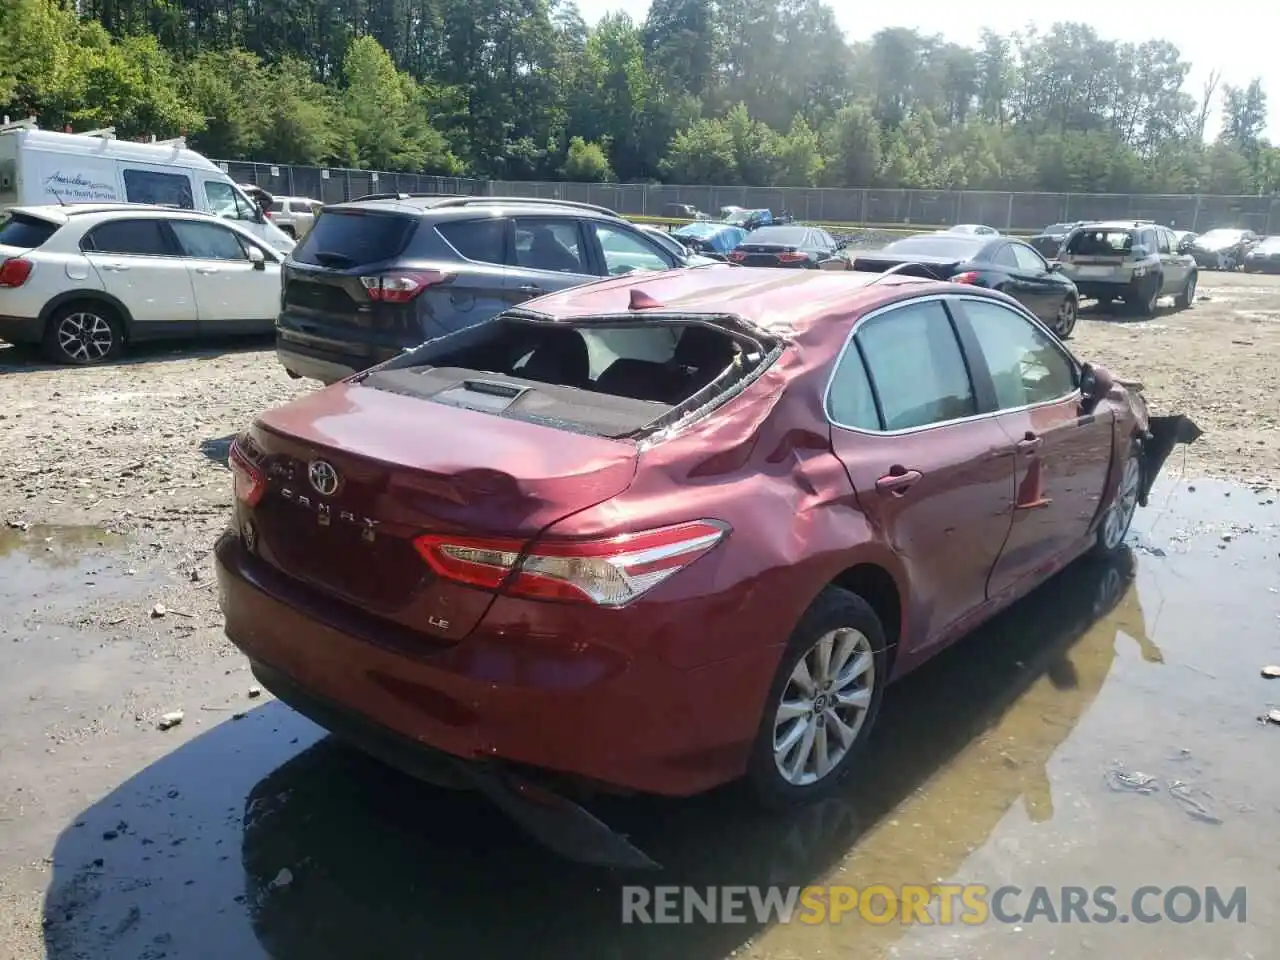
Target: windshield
(790, 236)
(1101, 243)
(942, 245)
(343, 239)
(20, 230)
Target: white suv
(82, 280)
(294, 215)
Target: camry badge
(324, 479)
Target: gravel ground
(132, 456)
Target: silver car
(1130, 260)
(294, 215)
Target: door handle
(114, 267)
(1030, 443)
(530, 288)
(208, 269)
(897, 481)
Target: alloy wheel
(1066, 321)
(823, 706)
(1120, 513)
(85, 337)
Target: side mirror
(1095, 383)
(257, 258)
(1055, 266)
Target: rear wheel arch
(95, 297)
(878, 587)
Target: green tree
(586, 162)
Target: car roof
(781, 301)
(453, 206)
(61, 214)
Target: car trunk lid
(353, 475)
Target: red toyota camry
(669, 530)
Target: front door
(1173, 265)
(935, 481)
(547, 254)
(233, 294)
(140, 264)
(1063, 455)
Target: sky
(1207, 42)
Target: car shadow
(1117, 312)
(262, 836)
(23, 358)
(218, 449)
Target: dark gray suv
(386, 272)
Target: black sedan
(798, 247)
(1000, 263)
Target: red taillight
(608, 573)
(792, 256)
(737, 256)
(969, 276)
(246, 479)
(14, 273)
(401, 287)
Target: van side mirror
(257, 258)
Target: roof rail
(106, 133)
(465, 201)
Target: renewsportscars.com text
(932, 904)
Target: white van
(40, 166)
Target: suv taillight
(402, 287)
(607, 573)
(14, 273)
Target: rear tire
(1187, 295)
(83, 334)
(1146, 295)
(817, 717)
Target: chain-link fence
(923, 208)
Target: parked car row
(378, 275)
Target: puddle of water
(997, 763)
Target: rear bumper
(309, 367)
(21, 329)
(577, 707)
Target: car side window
(1164, 244)
(166, 189)
(627, 252)
(916, 366)
(545, 243)
(1027, 366)
(1147, 239)
(850, 402)
(1028, 259)
(1005, 256)
(481, 240)
(139, 238)
(208, 241)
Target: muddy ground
(243, 833)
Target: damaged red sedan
(659, 533)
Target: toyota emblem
(323, 478)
